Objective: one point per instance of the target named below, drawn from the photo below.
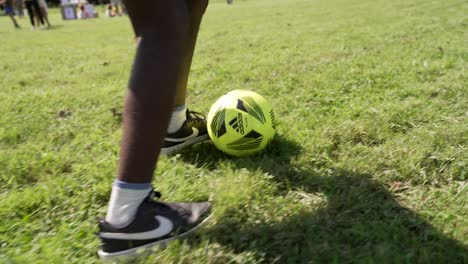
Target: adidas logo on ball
(238, 124)
(241, 123)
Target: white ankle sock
(178, 118)
(124, 203)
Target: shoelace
(153, 194)
(191, 115)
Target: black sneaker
(192, 131)
(155, 224)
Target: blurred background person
(9, 10)
(82, 13)
(109, 10)
(44, 9)
(119, 8)
(33, 8)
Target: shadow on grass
(361, 221)
(55, 26)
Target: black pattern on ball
(218, 126)
(250, 141)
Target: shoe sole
(129, 254)
(173, 150)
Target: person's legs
(45, 15)
(117, 5)
(186, 127)
(11, 13)
(13, 20)
(29, 7)
(36, 17)
(196, 9)
(162, 28)
(37, 10)
(133, 220)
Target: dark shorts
(9, 10)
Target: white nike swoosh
(194, 134)
(164, 228)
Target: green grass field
(370, 162)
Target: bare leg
(134, 220)
(196, 9)
(14, 20)
(36, 17)
(37, 11)
(29, 7)
(162, 27)
(45, 16)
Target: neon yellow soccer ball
(241, 123)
